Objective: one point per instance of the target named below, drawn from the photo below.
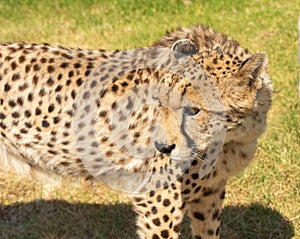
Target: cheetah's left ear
(184, 47)
(253, 69)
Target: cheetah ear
(184, 47)
(253, 69)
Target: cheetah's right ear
(253, 69)
(184, 47)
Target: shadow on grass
(63, 220)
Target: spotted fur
(39, 90)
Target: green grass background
(262, 202)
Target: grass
(262, 202)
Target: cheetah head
(241, 78)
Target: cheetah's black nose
(164, 148)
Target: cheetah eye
(191, 111)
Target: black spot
(197, 189)
(58, 99)
(2, 116)
(124, 84)
(164, 233)
(7, 87)
(38, 129)
(93, 84)
(218, 231)
(104, 139)
(154, 236)
(176, 196)
(36, 67)
(38, 111)
(58, 88)
(45, 124)
(51, 108)
(95, 144)
(142, 204)
(65, 164)
(42, 92)
(27, 113)
(222, 196)
(216, 214)
(86, 109)
(199, 216)
(59, 77)
(65, 55)
(28, 125)
(151, 193)
(43, 60)
(79, 82)
(212, 151)
(166, 218)
(64, 65)
(50, 81)
(207, 192)
(114, 88)
(103, 113)
(15, 115)
(73, 94)
(210, 232)
(177, 228)
(15, 77)
(166, 202)
(90, 65)
(27, 68)
(77, 65)
(70, 112)
(35, 79)
(86, 95)
(50, 69)
(186, 191)
(3, 126)
(156, 222)
(13, 65)
(24, 131)
(52, 152)
(20, 101)
(154, 210)
(21, 59)
(30, 97)
(71, 73)
(12, 103)
(195, 176)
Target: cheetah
(168, 124)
